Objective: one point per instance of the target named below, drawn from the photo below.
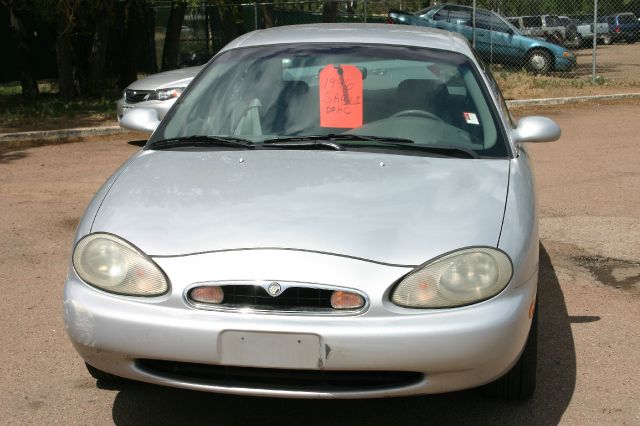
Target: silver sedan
(157, 92)
(328, 211)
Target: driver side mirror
(536, 129)
(141, 120)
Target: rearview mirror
(536, 129)
(141, 120)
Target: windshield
(264, 93)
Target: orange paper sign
(340, 96)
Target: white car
(157, 91)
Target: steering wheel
(416, 113)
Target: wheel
(416, 113)
(607, 39)
(102, 376)
(520, 382)
(539, 61)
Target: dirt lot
(617, 62)
(589, 292)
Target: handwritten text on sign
(340, 96)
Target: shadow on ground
(140, 143)
(8, 155)
(139, 404)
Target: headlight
(111, 264)
(165, 94)
(459, 278)
(566, 54)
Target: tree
(27, 79)
(330, 11)
(171, 48)
(267, 15)
(103, 15)
(64, 15)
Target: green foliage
(15, 109)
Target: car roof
(403, 35)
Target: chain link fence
(579, 41)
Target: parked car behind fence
(624, 27)
(584, 26)
(548, 27)
(496, 39)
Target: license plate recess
(271, 350)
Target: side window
(442, 15)
(491, 22)
(460, 16)
(493, 84)
(532, 22)
(482, 20)
(553, 21)
(515, 22)
(498, 24)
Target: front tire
(520, 382)
(539, 61)
(103, 377)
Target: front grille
(311, 380)
(134, 96)
(290, 297)
(293, 298)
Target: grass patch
(14, 88)
(524, 85)
(18, 113)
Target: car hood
(388, 208)
(164, 80)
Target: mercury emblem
(274, 289)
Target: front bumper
(451, 349)
(565, 64)
(162, 107)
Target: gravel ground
(589, 297)
(618, 62)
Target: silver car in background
(157, 91)
(329, 211)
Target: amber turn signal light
(207, 294)
(346, 300)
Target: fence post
(365, 12)
(255, 15)
(473, 26)
(595, 41)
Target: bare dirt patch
(619, 63)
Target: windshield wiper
(445, 150)
(329, 141)
(334, 137)
(302, 142)
(201, 140)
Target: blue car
(497, 41)
(623, 27)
